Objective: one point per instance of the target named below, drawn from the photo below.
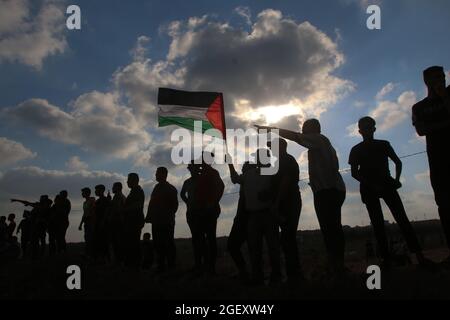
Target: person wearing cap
(431, 118)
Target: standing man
(431, 118)
(188, 196)
(369, 162)
(239, 231)
(63, 222)
(161, 214)
(100, 233)
(116, 221)
(134, 222)
(327, 186)
(288, 204)
(88, 221)
(208, 194)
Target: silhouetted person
(187, 194)
(102, 205)
(134, 222)
(262, 222)
(52, 225)
(161, 214)
(116, 221)
(369, 162)
(288, 204)
(39, 223)
(327, 185)
(239, 230)
(11, 226)
(88, 221)
(24, 228)
(147, 251)
(63, 211)
(431, 117)
(208, 193)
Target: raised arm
(302, 139)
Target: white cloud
(30, 38)
(13, 152)
(385, 90)
(423, 176)
(244, 12)
(388, 114)
(97, 122)
(75, 164)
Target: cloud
(389, 114)
(33, 181)
(13, 152)
(29, 38)
(75, 164)
(244, 12)
(385, 90)
(279, 64)
(97, 122)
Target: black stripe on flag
(199, 99)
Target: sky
(78, 107)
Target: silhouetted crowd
(268, 209)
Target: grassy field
(46, 278)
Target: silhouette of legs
(261, 225)
(211, 242)
(236, 239)
(395, 204)
(197, 242)
(440, 179)
(288, 237)
(163, 240)
(373, 206)
(328, 204)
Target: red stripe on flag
(215, 115)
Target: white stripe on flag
(182, 111)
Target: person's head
(11, 217)
(282, 146)
(161, 174)
(133, 180)
(194, 169)
(434, 78)
(45, 201)
(117, 187)
(100, 190)
(147, 236)
(367, 127)
(63, 194)
(262, 157)
(57, 199)
(311, 126)
(86, 192)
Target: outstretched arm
(300, 138)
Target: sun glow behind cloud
(272, 114)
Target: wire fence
(304, 184)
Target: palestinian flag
(182, 108)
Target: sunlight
(272, 114)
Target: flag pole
(224, 133)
